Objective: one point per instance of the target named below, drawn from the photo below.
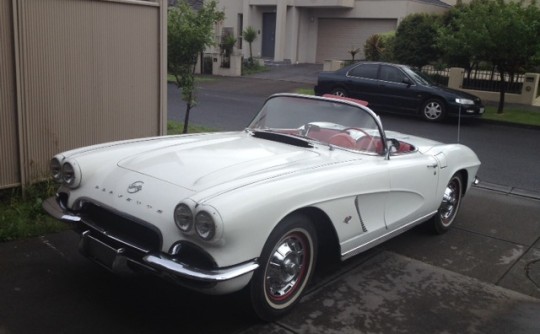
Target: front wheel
(449, 207)
(287, 263)
(433, 110)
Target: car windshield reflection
(330, 122)
(419, 77)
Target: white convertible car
(220, 212)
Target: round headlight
(183, 217)
(56, 170)
(205, 225)
(68, 174)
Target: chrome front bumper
(95, 244)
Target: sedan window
(391, 73)
(419, 77)
(368, 71)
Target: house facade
(312, 31)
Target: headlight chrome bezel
(205, 225)
(56, 170)
(67, 173)
(204, 221)
(183, 217)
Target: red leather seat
(370, 144)
(342, 140)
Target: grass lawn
(514, 115)
(23, 217)
(176, 128)
(198, 78)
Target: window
(391, 73)
(240, 23)
(368, 71)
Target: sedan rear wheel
(449, 207)
(286, 265)
(433, 110)
(339, 92)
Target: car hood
(208, 161)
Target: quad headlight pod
(205, 225)
(183, 217)
(67, 173)
(56, 170)
(200, 220)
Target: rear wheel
(286, 265)
(433, 110)
(339, 92)
(449, 207)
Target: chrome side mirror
(392, 145)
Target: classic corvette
(222, 212)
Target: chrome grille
(118, 227)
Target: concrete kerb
(509, 190)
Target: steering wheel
(357, 129)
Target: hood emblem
(135, 187)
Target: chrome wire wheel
(286, 263)
(450, 203)
(449, 207)
(286, 268)
(433, 110)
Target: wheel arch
(464, 174)
(326, 232)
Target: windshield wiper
(282, 138)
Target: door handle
(433, 165)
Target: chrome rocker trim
(160, 262)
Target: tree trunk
(502, 92)
(186, 118)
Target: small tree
(416, 40)
(227, 46)
(379, 47)
(502, 33)
(353, 51)
(249, 35)
(189, 33)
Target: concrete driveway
(483, 276)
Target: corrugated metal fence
(75, 73)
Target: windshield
(327, 121)
(419, 77)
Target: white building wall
(297, 29)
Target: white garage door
(337, 36)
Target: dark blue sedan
(400, 89)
